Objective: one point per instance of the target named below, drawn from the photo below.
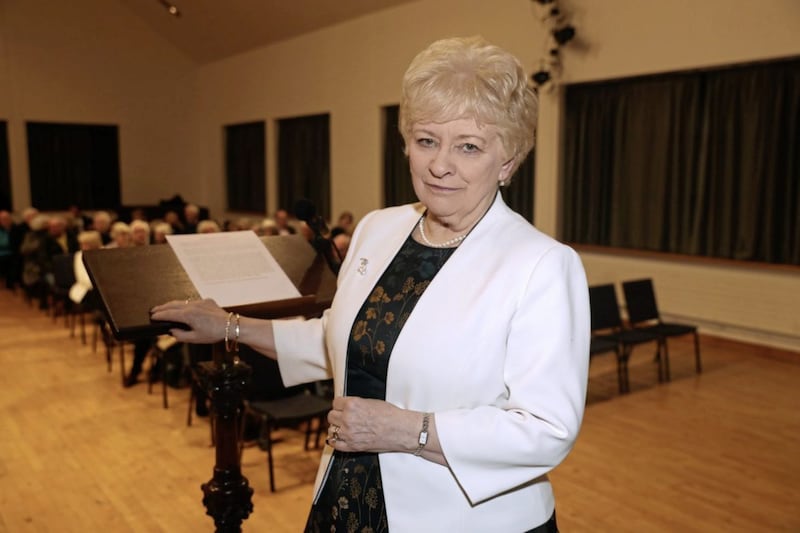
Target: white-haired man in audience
(191, 213)
(101, 222)
(140, 233)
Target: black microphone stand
(324, 245)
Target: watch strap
(422, 440)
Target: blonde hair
(162, 227)
(470, 78)
(119, 227)
(140, 224)
(90, 238)
(207, 226)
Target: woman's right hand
(204, 318)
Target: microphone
(305, 210)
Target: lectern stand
(130, 281)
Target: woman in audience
(82, 291)
(485, 320)
(120, 235)
(140, 233)
(344, 224)
(160, 232)
(101, 222)
(208, 226)
(35, 259)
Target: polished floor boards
(78, 453)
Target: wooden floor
(78, 453)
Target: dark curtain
(701, 163)
(73, 164)
(518, 195)
(245, 167)
(397, 187)
(304, 162)
(5, 170)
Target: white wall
(353, 69)
(350, 71)
(90, 60)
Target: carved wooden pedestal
(227, 496)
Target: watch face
(423, 438)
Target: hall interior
(716, 451)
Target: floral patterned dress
(351, 499)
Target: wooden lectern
(130, 281)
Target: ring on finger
(335, 434)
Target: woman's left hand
(365, 425)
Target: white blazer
(497, 348)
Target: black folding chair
(63, 279)
(643, 315)
(271, 405)
(607, 330)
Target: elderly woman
(120, 235)
(140, 232)
(458, 339)
(160, 230)
(81, 289)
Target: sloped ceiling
(208, 30)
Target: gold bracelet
(227, 333)
(236, 335)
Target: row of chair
(279, 408)
(75, 313)
(611, 335)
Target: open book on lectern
(267, 277)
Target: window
(5, 173)
(702, 163)
(245, 167)
(519, 194)
(304, 162)
(73, 164)
(397, 187)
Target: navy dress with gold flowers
(351, 498)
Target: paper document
(232, 268)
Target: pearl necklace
(445, 244)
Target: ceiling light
(172, 9)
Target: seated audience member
(160, 230)
(140, 349)
(138, 214)
(140, 233)
(28, 214)
(341, 242)
(306, 231)
(77, 220)
(60, 239)
(18, 233)
(191, 213)
(101, 222)
(120, 235)
(282, 223)
(344, 225)
(208, 226)
(137, 234)
(7, 252)
(81, 291)
(268, 227)
(172, 218)
(35, 260)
